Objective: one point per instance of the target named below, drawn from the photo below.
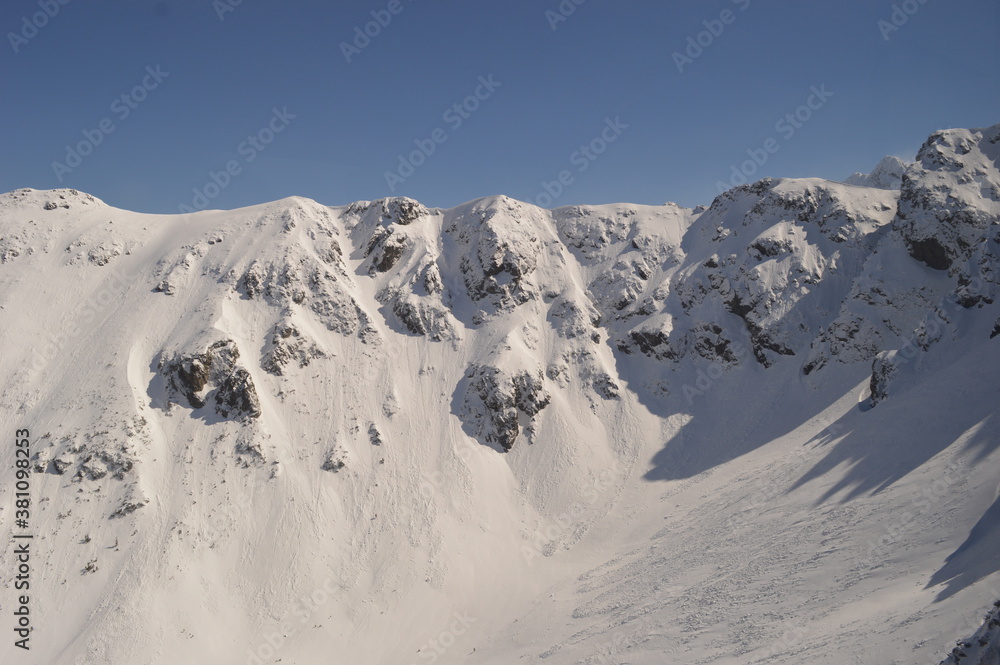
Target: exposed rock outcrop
(496, 400)
(213, 375)
(288, 347)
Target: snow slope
(758, 431)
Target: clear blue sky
(610, 59)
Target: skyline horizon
(571, 102)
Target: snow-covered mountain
(758, 431)
(887, 174)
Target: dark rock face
(709, 342)
(760, 339)
(931, 252)
(238, 396)
(98, 464)
(334, 462)
(399, 210)
(529, 394)
(380, 221)
(288, 347)
(313, 285)
(127, 508)
(606, 387)
(252, 282)
(194, 375)
(405, 211)
(100, 456)
(409, 315)
(501, 278)
(404, 260)
(884, 369)
(738, 307)
(769, 247)
(574, 319)
(424, 319)
(385, 248)
(501, 247)
(941, 223)
(652, 343)
(496, 399)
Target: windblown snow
(762, 431)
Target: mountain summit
(887, 174)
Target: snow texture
(758, 431)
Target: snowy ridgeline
(434, 375)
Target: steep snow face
(590, 434)
(887, 174)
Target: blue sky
(265, 89)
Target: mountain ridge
(399, 397)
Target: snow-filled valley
(762, 431)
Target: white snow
(679, 488)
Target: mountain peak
(887, 174)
